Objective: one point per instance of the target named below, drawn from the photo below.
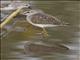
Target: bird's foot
(45, 33)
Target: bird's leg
(45, 32)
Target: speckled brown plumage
(40, 18)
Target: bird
(15, 5)
(40, 19)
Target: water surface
(19, 33)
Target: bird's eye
(28, 12)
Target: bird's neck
(29, 19)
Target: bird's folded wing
(40, 18)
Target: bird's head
(31, 12)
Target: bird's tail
(64, 24)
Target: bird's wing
(41, 18)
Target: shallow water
(19, 33)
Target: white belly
(45, 25)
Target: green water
(18, 34)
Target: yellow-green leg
(45, 32)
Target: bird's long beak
(25, 13)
